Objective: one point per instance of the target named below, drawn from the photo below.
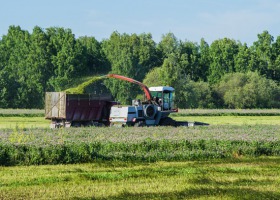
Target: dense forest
(224, 74)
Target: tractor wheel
(167, 122)
(150, 111)
(139, 124)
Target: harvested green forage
(80, 89)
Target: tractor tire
(150, 111)
(139, 124)
(167, 122)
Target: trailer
(66, 110)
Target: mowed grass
(23, 122)
(41, 122)
(232, 120)
(242, 178)
(26, 118)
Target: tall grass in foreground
(147, 144)
(243, 178)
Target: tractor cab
(164, 96)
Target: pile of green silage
(80, 89)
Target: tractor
(153, 111)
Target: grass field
(237, 177)
(233, 120)
(242, 178)
(22, 112)
(228, 112)
(34, 118)
(142, 144)
(23, 122)
(41, 122)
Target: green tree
(189, 60)
(222, 54)
(248, 90)
(276, 59)
(38, 65)
(66, 56)
(263, 50)
(172, 70)
(14, 68)
(132, 56)
(94, 59)
(8, 88)
(194, 94)
(149, 56)
(204, 60)
(181, 67)
(169, 44)
(153, 77)
(243, 59)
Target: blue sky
(188, 19)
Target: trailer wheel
(76, 124)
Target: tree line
(224, 74)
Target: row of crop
(146, 151)
(43, 137)
(46, 146)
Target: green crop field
(144, 144)
(236, 157)
(243, 178)
(232, 120)
(24, 118)
(228, 112)
(23, 122)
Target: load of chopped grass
(80, 89)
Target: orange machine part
(143, 86)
